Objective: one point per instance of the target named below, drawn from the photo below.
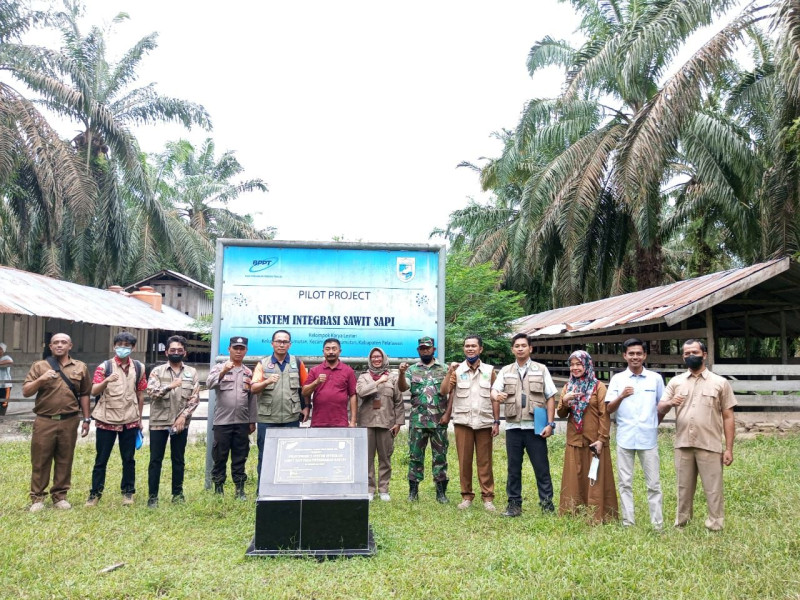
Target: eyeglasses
(282, 342)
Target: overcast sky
(355, 113)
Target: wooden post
(784, 340)
(710, 342)
(747, 337)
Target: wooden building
(736, 312)
(180, 292)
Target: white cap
(3, 346)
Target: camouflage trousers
(417, 442)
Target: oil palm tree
(79, 82)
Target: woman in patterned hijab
(583, 404)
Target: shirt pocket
(709, 400)
(462, 389)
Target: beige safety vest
(532, 385)
(119, 405)
(472, 403)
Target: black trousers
(519, 441)
(177, 451)
(233, 440)
(104, 444)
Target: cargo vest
(472, 404)
(164, 411)
(280, 402)
(118, 405)
(532, 385)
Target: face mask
(122, 352)
(427, 359)
(473, 359)
(174, 358)
(693, 362)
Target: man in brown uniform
(476, 420)
(703, 405)
(55, 430)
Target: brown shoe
(127, 499)
(92, 501)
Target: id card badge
(524, 400)
(593, 467)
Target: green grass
(425, 550)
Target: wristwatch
(86, 420)
(495, 422)
(553, 425)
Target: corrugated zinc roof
(25, 293)
(669, 303)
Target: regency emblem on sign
(406, 268)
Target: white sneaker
(371, 496)
(489, 505)
(465, 504)
(36, 506)
(62, 505)
(385, 496)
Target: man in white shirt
(634, 395)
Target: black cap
(239, 341)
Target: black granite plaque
(312, 497)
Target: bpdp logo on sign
(406, 268)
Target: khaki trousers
(379, 440)
(650, 467)
(52, 443)
(689, 462)
(477, 442)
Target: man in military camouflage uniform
(427, 420)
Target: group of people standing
(281, 392)
(471, 394)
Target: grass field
(425, 550)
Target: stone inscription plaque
(313, 460)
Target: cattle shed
(33, 307)
(749, 318)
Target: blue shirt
(637, 415)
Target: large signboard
(365, 295)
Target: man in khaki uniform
(703, 404)
(476, 420)
(55, 431)
(174, 392)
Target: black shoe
(514, 509)
(178, 499)
(219, 488)
(441, 492)
(240, 495)
(413, 491)
(152, 502)
(547, 507)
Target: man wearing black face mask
(427, 420)
(703, 404)
(174, 392)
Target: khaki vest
(164, 411)
(532, 385)
(280, 402)
(472, 403)
(119, 405)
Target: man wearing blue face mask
(476, 420)
(703, 403)
(120, 383)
